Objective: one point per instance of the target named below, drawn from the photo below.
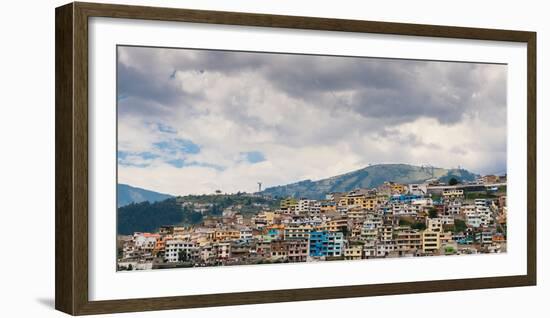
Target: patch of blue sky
(208, 165)
(253, 156)
(180, 163)
(134, 164)
(178, 145)
(143, 155)
(138, 159)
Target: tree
(435, 197)
(403, 222)
(449, 250)
(147, 217)
(421, 226)
(195, 217)
(453, 181)
(345, 231)
(183, 256)
(460, 226)
(432, 213)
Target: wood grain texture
(164, 303)
(532, 158)
(64, 236)
(72, 157)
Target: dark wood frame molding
(71, 157)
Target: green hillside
(148, 217)
(369, 177)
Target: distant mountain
(127, 194)
(369, 177)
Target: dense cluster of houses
(392, 220)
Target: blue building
(323, 243)
(404, 198)
(275, 234)
(318, 243)
(335, 244)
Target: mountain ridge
(127, 194)
(369, 177)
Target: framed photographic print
(247, 158)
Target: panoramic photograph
(241, 158)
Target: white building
(434, 225)
(417, 189)
(189, 250)
(485, 215)
(145, 241)
(473, 219)
(384, 249)
(453, 207)
(405, 209)
(447, 219)
(452, 194)
(335, 244)
(422, 202)
(222, 250)
(245, 234)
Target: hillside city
(391, 220)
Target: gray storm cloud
(334, 113)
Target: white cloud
(306, 124)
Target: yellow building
(352, 200)
(408, 241)
(297, 232)
(336, 225)
(398, 188)
(269, 216)
(372, 203)
(327, 206)
(435, 225)
(391, 188)
(368, 202)
(353, 252)
(430, 241)
(225, 235)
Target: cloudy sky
(193, 121)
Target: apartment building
(452, 194)
(408, 241)
(353, 252)
(430, 241)
(179, 250)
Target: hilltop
(368, 177)
(127, 194)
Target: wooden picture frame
(71, 90)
